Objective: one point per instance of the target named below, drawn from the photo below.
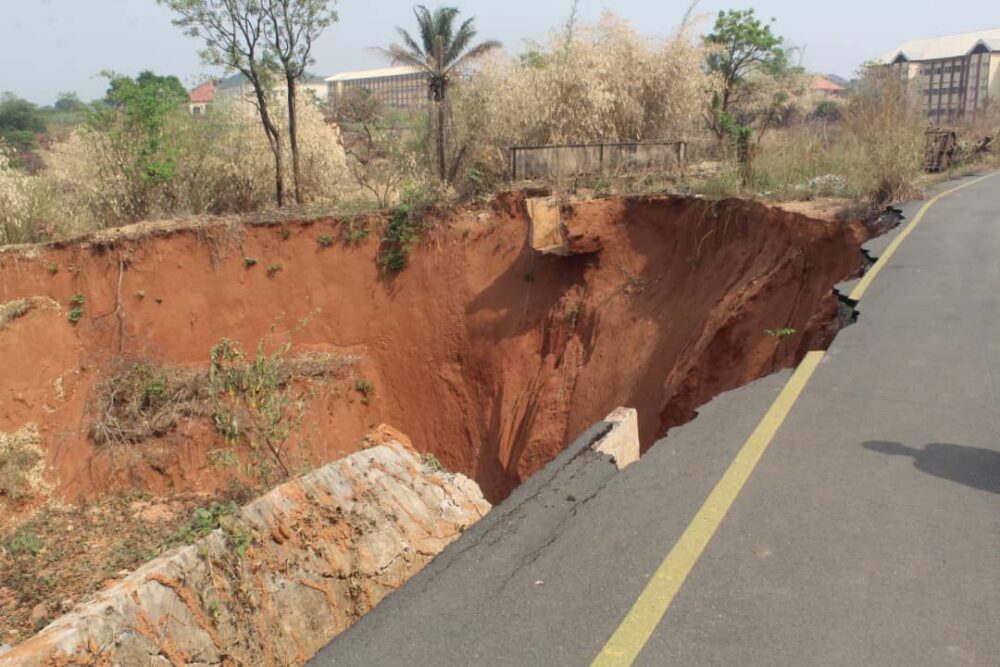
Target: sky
(51, 46)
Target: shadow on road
(971, 466)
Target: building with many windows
(238, 89)
(399, 88)
(957, 76)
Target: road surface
(857, 523)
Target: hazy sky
(49, 46)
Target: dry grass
(62, 556)
(609, 83)
(22, 466)
(142, 399)
(12, 310)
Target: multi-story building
(957, 76)
(399, 88)
(238, 89)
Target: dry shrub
(22, 204)
(141, 399)
(221, 164)
(22, 465)
(884, 122)
(608, 84)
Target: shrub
(22, 204)
(885, 122)
(608, 83)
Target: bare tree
(293, 26)
(235, 36)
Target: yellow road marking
(652, 604)
(866, 281)
(647, 612)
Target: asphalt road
(868, 534)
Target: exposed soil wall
(485, 352)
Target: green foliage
(23, 542)
(134, 114)
(219, 515)
(780, 334)
(249, 261)
(325, 240)
(354, 231)
(743, 45)
(69, 103)
(433, 463)
(367, 390)
(76, 312)
(752, 64)
(132, 119)
(53, 269)
(20, 122)
(250, 399)
(274, 269)
(403, 230)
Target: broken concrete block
(546, 226)
(303, 563)
(622, 442)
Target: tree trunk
(274, 139)
(293, 138)
(442, 166)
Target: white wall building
(957, 76)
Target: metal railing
(566, 160)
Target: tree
(441, 52)
(20, 123)
(131, 123)
(376, 157)
(235, 36)
(294, 26)
(69, 103)
(740, 46)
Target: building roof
(949, 46)
(232, 81)
(373, 73)
(203, 94)
(825, 85)
(238, 80)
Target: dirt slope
(486, 353)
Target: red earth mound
(486, 353)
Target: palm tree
(441, 52)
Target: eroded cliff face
(273, 585)
(487, 353)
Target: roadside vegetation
(737, 95)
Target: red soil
(484, 352)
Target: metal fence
(567, 160)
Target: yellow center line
(651, 605)
(649, 608)
(862, 287)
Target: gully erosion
(180, 360)
(488, 353)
